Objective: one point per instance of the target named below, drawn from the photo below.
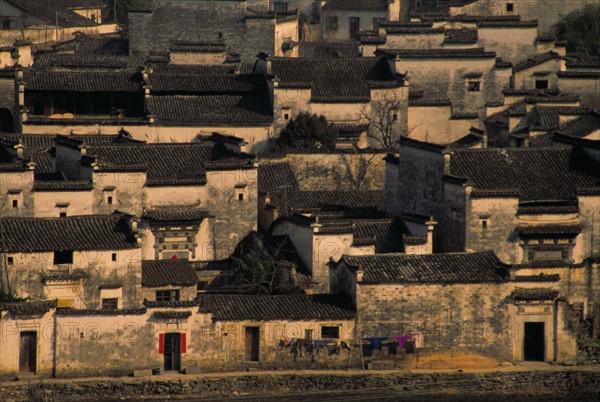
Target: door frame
(33, 347)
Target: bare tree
(384, 121)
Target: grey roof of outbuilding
(83, 81)
(335, 80)
(367, 201)
(166, 164)
(359, 5)
(430, 268)
(156, 273)
(276, 177)
(92, 232)
(581, 126)
(534, 174)
(212, 110)
(388, 235)
(276, 307)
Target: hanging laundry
(287, 341)
(376, 342)
(344, 345)
(401, 340)
(319, 344)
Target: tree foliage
(581, 30)
(308, 131)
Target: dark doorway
(172, 352)
(252, 343)
(354, 27)
(534, 347)
(28, 352)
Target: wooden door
(172, 356)
(252, 343)
(28, 352)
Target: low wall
(580, 381)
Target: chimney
(430, 227)
(447, 158)
(83, 150)
(359, 275)
(19, 147)
(485, 140)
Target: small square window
(484, 224)
(113, 256)
(62, 214)
(474, 86)
(331, 24)
(510, 7)
(110, 304)
(63, 257)
(395, 116)
(167, 295)
(286, 116)
(109, 200)
(15, 203)
(541, 84)
(10, 260)
(241, 197)
(330, 332)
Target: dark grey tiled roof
(535, 294)
(93, 232)
(168, 272)
(28, 308)
(170, 304)
(549, 116)
(360, 5)
(431, 268)
(206, 84)
(582, 126)
(475, 53)
(467, 141)
(213, 110)
(534, 173)
(579, 74)
(555, 229)
(536, 60)
(82, 81)
(62, 62)
(172, 315)
(166, 164)
(276, 177)
(460, 36)
(367, 202)
(62, 185)
(109, 312)
(277, 307)
(388, 235)
(174, 215)
(213, 69)
(538, 278)
(335, 80)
